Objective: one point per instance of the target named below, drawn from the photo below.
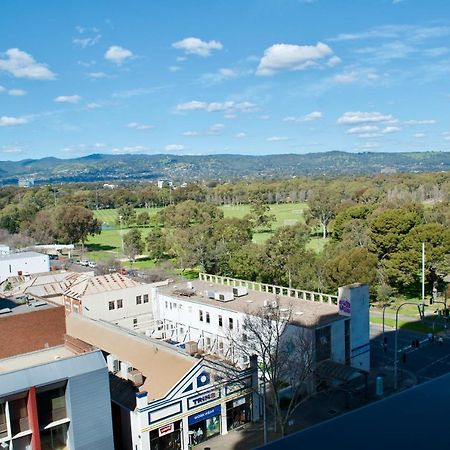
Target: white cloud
(22, 65)
(11, 149)
(196, 46)
(362, 129)
(67, 99)
(241, 135)
(174, 68)
(174, 147)
(129, 149)
(446, 135)
(281, 57)
(358, 117)
(216, 128)
(97, 75)
(420, 122)
(117, 54)
(17, 92)
(306, 118)
(86, 42)
(345, 78)
(229, 105)
(277, 139)
(93, 105)
(139, 126)
(2, 89)
(334, 61)
(227, 73)
(419, 135)
(6, 121)
(191, 133)
(389, 130)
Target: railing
(270, 288)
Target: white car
(84, 262)
(92, 264)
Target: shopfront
(238, 412)
(167, 437)
(204, 425)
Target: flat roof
(36, 358)
(305, 313)
(18, 307)
(162, 365)
(21, 255)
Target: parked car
(84, 262)
(92, 264)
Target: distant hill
(102, 167)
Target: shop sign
(344, 307)
(203, 415)
(203, 398)
(238, 402)
(166, 429)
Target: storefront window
(54, 438)
(167, 437)
(238, 412)
(204, 425)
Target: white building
(55, 398)
(4, 250)
(114, 298)
(209, 309)
(162, 396)
(24, 263)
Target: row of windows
(139, 299)
(206, 317)
(112, 304)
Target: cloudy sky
(223, 76)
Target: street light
(396, 337)
(384, 344)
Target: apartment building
(163, 397)
(23, 264)
(51, 388)
(113, 297)
(207, 310)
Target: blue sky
(223, 76)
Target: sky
(223, 76)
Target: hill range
(104, 167)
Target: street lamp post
(396, 338)
(383, 334)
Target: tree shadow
(99, 247)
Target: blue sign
(202, 415)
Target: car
(92, 264)
(84, 262)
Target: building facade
(24, 263)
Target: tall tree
(156, 243)
(126, 215)
(133, 245)
(322, 205)
(76, 224)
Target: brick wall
(31, 331)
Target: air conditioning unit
(210, 294)
(113, 363)
(191, 347)
(158, 334)
(224, 296)
(240, 291)
(136, 377)
(125, 369)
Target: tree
(143, 218)
(343, 218)
(76, 224)
(156, 243)
(322, 206)
(133, 244)
(260, 214)
(126, 215)
(10, 218)
(43, 228)
(285, 356)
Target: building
(24, 263)
(4, 250)
(164, 397)
(53, 390)
(113, 297)
(164, 183)
(208, 309)
(25, 182)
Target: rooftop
(160, 364)
(10, 306)
(36, 358)
(305, 313)
(99, 284)
(21, 255)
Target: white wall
(34, 263)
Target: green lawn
(420, 326)
(108, 244)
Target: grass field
(109, 243)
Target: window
(3, 424)
(323, 343)
(51, 405)
(111, 306)
(230, 323)
(119, 304)
(134, 322)
(166, 305)
(18, 415)
(208, 341)
(54, 438)
(138, 299)
(145, 298)
(200, 315)
(207, 318)
(220, 321)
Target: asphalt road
(428, 361)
